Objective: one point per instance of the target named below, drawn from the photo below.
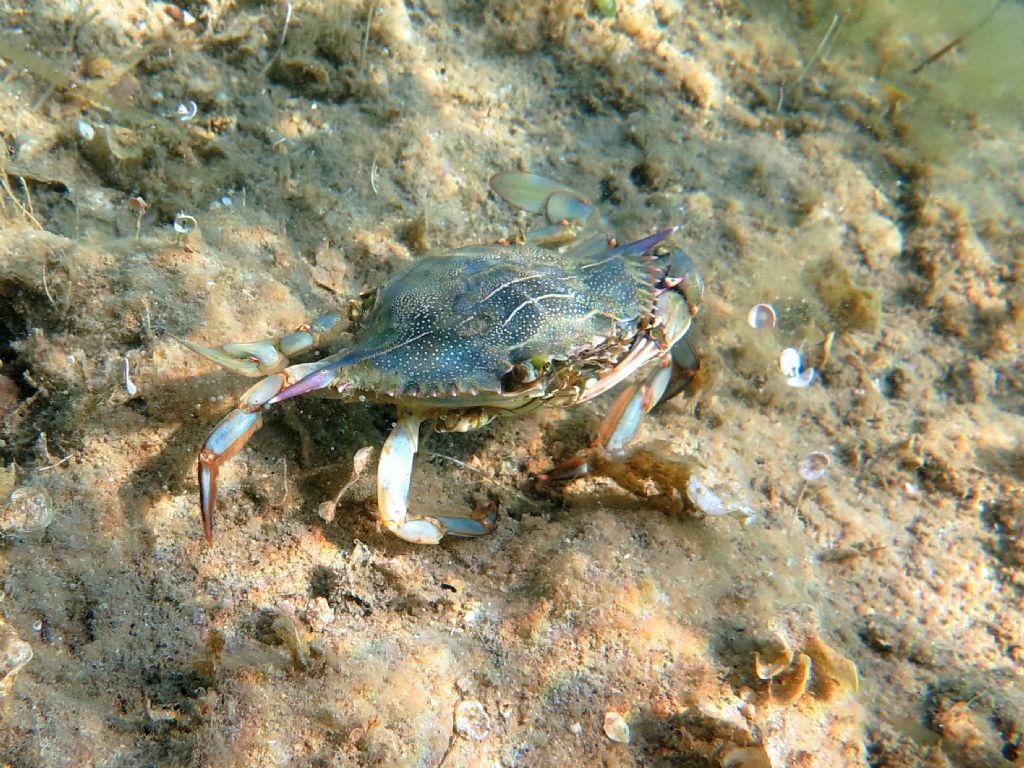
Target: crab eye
(524, 373)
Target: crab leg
(567, 212)
(235, 429)
(393, 474)
(623, 418)
(262, 358)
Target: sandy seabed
(869, 617)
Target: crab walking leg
(235, 429)
(262, 358)
(393, 474)
(623, 418)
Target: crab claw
(235, 429)
(636, 400)
(393, 475)
(262, 358)
(227, 439)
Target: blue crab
(465, 335)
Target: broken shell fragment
(616, 728)
(836, 674)
(762, 317)
(706, 500)
(15, 653)
(710, 503)
(471, 720)
(813, 466)
(788, 688)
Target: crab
(465, 335)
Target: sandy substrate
(869, 617)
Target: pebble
(471, 720)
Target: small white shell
(706, 500)
(185, 223)
(86, 131)
(790, 362)
(813, 466)
(187, 110)
(616, 728)
(762, 317)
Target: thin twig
(284, 497)
(6, 184)
(287, 21)
(826, 41)
(957, 40)
(46, 288)
(486, 477)
(56, 464)
(366, 36)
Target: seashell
(762, 317)
(813, 466)
(616, 728)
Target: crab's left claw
(393, 474)
(262, 358)
(227, 439)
